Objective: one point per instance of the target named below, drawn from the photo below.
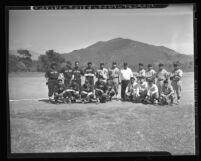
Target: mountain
(120, 50)
(34, 54)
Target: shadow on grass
(47, 101)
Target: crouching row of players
(147, 92)
(103, 92)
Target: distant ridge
(121, 49)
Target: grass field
(37, 126)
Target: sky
(68, 30)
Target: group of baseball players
(144, 86)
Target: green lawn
(114, 126)
(37, 126)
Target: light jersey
(152, 89)
(126, 74)
(143, 86)
(142, 72)
(132, 88)
(162, 74)
(167, 90)
(150, 73)
(103, 72)
(114, 73)
(177, 73)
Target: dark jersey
(87, 88)
(59, 88)
(67, 72)
(76, 87)
(101, 85)
(52, 74)
(77, 72)
(89, 71)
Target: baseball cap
(149, 65)
(114, 63)
(125, 63)
(101, 63)
(165, 81)
(89, 63)
(141, 64)
(160, 65)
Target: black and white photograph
(102, 80)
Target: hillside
(121, 50)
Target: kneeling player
(111, 89)
(143, 86)
(59, 92)
(166, 95)
(87, 92)
(76, 92)
(101, 90)
(152, 93)
(132, 90)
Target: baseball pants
(51, 85)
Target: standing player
(101, 90)
(125, 76)
(103, 72)
(77, 73)
(176, 76)
(141, 71)
(161, 75)
(132, 90)
(89, 74)
(67, 73)
(51, 79)
(150, 73)
(114, 77)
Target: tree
(24, 53)
(12, 63)
(46, 60)
(25, 57)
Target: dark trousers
(67, 82)
(123, 88)
(51, 86)
(78, 81)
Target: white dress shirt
(126, 74)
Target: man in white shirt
(132, 90)
(175, 77)
(152, 93)
(103, 72)
(125, 76)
